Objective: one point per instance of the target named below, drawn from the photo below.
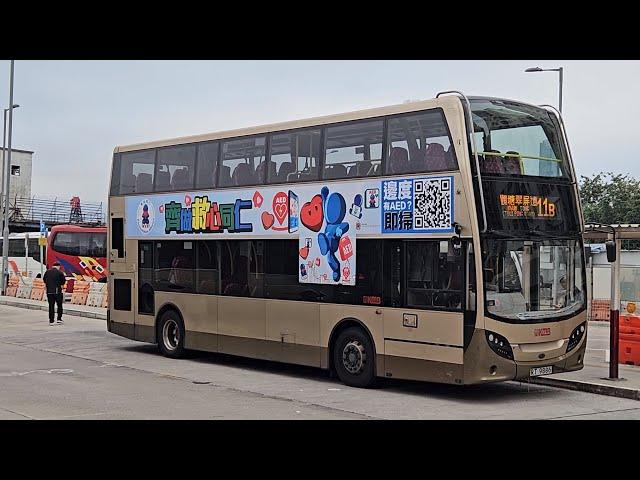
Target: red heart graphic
(280, 206)
(267, 220)
(304, 252)
(311, 214)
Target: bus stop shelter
(614, 233)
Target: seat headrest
(180, 178)
(435, 149)
(398, 160)
(243, 174)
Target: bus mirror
(611, 251)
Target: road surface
(80, 371)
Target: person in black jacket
(54, 279)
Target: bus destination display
(528, 206)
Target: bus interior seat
(180, 179)
(208, 286)
(492, 163)
(294, 177)
(283, 172)
(144, 182)
(225, 176)
(363, 168)
(270, 174)
(398, 160)
(335, 171)
(243, 174)
(450, 157)
(163, 180)
(435, 157)
(311, 173)
(512, 164)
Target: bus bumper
(482, 365)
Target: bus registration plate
(537, 371)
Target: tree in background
(609, 198)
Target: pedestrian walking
(54, 279)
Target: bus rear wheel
(354, 357)
(171, 335)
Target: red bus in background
(81, 251)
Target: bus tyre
(171, 335)
(354, 357)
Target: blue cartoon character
(356, 207)
(334, 208)
(145, 214)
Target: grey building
(20, 171)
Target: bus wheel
(354, 357)
(171, 335)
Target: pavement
(68, 308)
(80, 371)
(593, 378)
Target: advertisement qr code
(432, 203)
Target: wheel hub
(354, 357)
(171, 335)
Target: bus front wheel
(171, 335)
(354, 357)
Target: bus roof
(77, 228)
(291, 125)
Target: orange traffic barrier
(632, 321)
(629, 331)
(12, 286)
(600, 309)
(629, 347)
(24, 288)
(80, 293)
(629, 350)
(37, 290)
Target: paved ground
(594, 377)
(80, 371)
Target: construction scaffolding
(27, 212)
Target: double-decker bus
(438, 240)
(81, 251)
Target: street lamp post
(559, 70)
(7, 173)
(4, 138)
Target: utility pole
(7, 172)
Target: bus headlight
(576, 336)
(499, 344)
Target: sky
(73, 113)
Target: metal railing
(54, 211)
